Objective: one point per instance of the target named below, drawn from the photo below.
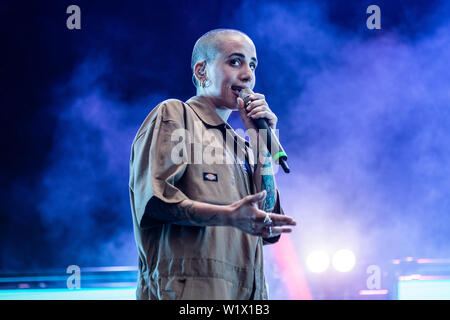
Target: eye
(235, 62)
(238, 62)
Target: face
(232, 70)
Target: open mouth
(236, 90)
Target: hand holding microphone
(254, 106)
(257, 115)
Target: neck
(224, 113)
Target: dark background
(363, 115)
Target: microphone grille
(245, 93)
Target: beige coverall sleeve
(154, 172)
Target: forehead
(236, 43)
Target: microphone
(277, 152)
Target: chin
(230, 103)
(233, 105)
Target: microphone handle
(278, 154)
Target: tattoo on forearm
(182, 214)
(192, 217)
(268, 184)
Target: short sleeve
(154, 168)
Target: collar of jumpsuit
(185, 262)
(208, 115)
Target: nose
(246, 74)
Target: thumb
(257, 197)
(241, 106)
(240, 102)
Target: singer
(200, 227)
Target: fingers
(257, 96)
(277, 219)
(267, 233)
(258, 108)
(280, 224)
(263, 114)
(254, 104)
(262, 108)
(256, 99)
(281, 220)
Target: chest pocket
(215, 176)
(216, 183)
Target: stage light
(318, 261)
(343, 260)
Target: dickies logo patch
(207, 176)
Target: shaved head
(208, 45)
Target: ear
(200, 70)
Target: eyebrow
(242, 56)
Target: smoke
(363, 115)
(85, 201)
(364, 118)
(367, 128)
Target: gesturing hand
(246, 216)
